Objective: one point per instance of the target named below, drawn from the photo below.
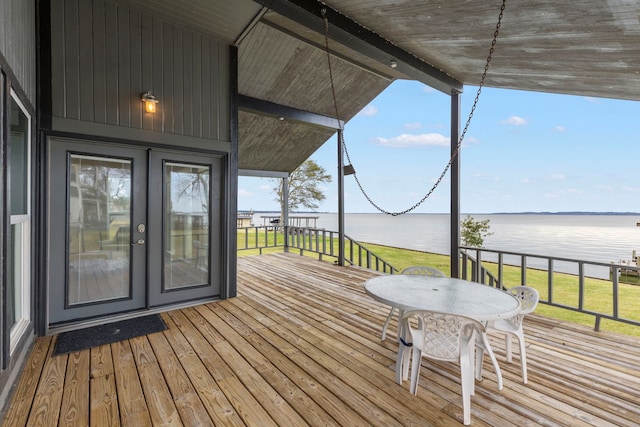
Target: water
(597, 238)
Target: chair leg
(466, 379)
(415, 370)
(507, 340)
(523, 357)
(483, 345)
(386, 323)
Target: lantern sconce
(150, 102)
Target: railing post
(285, 212)
(501, 271)
(549, 282)
(615, 292)
(454, 173)
(340, 199)
(580, 286)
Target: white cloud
(592, 100)
(560, 128)
(413, 126)
(525, 181)
(412, 140)
(557, 177)
(244, 193)
(631, 189)
(563, 193)
(514, 121)
(555, 195)
(369, 110)
(481, 176)
(264, 187)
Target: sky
(523, 152)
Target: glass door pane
(99, 238)
(186, 234)
(97, 204)
(184, 241)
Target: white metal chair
(529, 298)
(418, 270)
(445, 337)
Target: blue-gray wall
(18, 42)
(105, 55)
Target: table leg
(404, 350)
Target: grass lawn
(598, 293)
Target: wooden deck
(301, 345)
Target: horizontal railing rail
(487, 266)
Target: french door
(130, 229)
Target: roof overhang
(582, 47)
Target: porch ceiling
(582, 47)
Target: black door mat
(95, 336)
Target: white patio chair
(529, 298)
(445, 337)
(418, 270)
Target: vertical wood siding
(18, 42)
(104, 56)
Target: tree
(473, 232)
(304, 187)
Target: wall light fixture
(150, 102)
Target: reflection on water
(598, 238)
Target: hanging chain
(462, 135)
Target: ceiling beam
(262, 174)
(343, 30)
(282, 112)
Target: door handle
(140, 242)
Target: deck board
(300, 345)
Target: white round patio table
(443, 294)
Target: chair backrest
(423, 271)
(441, 335)
(528, 296)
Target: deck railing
(484, 266)
(325, 242)
(487, 266)
(260, 237)
(322, 242)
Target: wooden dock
(300, 346)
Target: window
(19, 247)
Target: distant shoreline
(465, 213)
